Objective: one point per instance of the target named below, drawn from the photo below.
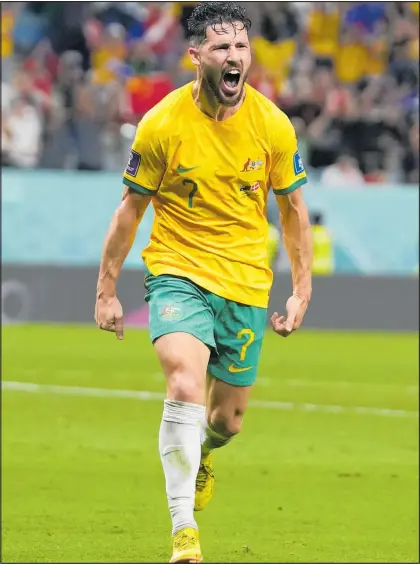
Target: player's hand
(109, 315)
(295, 310)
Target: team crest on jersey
(252, 165)
(170, 312)
(298, 164)
(248, 189)
(133, 164)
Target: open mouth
(230, 81)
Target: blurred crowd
(77, 77)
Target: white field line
(153, 396)
(297, 383)
(262, 381)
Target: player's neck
(209, 105)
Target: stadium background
(334, 413)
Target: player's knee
(226, 422)
(183, 385)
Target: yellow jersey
(324, 31)
(209, 181)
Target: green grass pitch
(82, 481)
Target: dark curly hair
(211, 14)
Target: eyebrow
(226, 44)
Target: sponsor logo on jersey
(247, 189)
(133, 164)
(170, 312)
(182, 170)
(298, 164)
(252, 165)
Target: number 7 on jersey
(193, 191)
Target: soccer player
(206, 157)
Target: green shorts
(232, 331)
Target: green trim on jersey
(291, 188)
(138, 188)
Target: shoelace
(203, 472)
(185, 541)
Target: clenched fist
(109, 315)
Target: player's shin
(179, 447)
(211, 438)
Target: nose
(233, 57)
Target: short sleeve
(287, 172)
(146, 163)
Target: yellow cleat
(186, 547)
(204, 484)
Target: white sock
(203, 427)
(180, 453)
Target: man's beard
(213, 87)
